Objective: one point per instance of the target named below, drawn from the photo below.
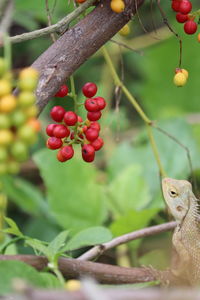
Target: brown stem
(76, 45)
(73, 268)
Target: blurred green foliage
(121, 190)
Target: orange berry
(117, 6)
(198, 37)
(80, 1)
(35, 124)
(7, 103)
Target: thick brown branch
(99, 249)
(73, 268)
(76, 45)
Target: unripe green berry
(4, 121)
(27, 134)
(18, 118)
(26, 99)
(19, 151)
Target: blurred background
(121, 190)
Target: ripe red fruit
(95, 125)
(60, 157)
(94, 116)
(67, 152)
(50, 128)
(54, 143)
(190, 27)
(97, 144)
(91, 134)
(185, 7)
(63, 91)
(88, 153)
(70, 118)
(91, 105)
(181, 18)
(101, 102)
(89, 89)
(57, 113)
(61, 131)
(175, 5)
(80, 120)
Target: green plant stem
(7, 51)
(137, 107)
(3, 206)
(59, 275)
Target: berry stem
(138, 108)
(74, 96)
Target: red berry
(89, 89)
(175, 5)
(88, 153)
(70, 118)
(50, 128)
(94, 116)
(181, 18)
(91, 134)
(84, 128)
(54, 143)
(63, 91)
(91, 105)
(61, 131)
(101, 102)
(185, 7)
(67, 152)
(97, 144)
(57, 113)
(60, 157)
(80, 120)
(95, 125)
(190, 27)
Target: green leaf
(58, 243)
(133, 220)
(74, 197)
(25, 195)
(128, 190)
(9, 270)
(13, 229)
(89, 237)
(38, 246)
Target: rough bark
(76, 45)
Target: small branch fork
(74, 268)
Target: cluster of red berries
(85, 133)
(183, 8)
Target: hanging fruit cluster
(183, 9)
(18, 123)
(70, 129)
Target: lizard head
(177, 195)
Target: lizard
(183, 205)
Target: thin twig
(99, 249)
(125, 46)
(49, 19)
(59, 27)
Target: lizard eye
(173, 193)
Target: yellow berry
(125, 30)
(180, 79)
(5, 87)
(117, 6)
(72, 285)
(7, 103)
(185, 72)
(6, 137)
(31, 111)
(29, 73)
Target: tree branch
(100, 249)
(59, 27)
(76, 45)
(73, 268)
